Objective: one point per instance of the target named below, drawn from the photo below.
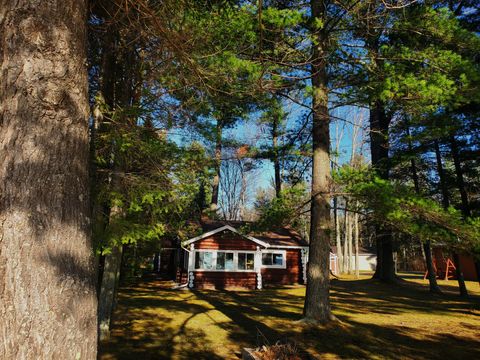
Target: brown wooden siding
(223, 280)
(468, 267)
(291, 275)
(226, 241)
(181, 277)
(220, 280)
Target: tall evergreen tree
(317, 301)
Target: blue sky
(249, 132)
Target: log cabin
(223, 256)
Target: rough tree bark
(317, 301)
(47, 286)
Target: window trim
(235, 260)
(245, 252)
(225, 263)
(284, 262)
(214, 260)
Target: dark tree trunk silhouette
(427, 246)
(47, 286)
(465, 209)
(446, 203)
(105, 213)
(218, 165)
(125, 93)
(379, 145)
(276, 158)
(459, 176)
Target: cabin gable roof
(224, 228)
(275, 238)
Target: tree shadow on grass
(154, 322)
(397, 299)
(357, 340)
(353, 339)
(245, 330)
(141, 331)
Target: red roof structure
(277, 237)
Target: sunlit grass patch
(377, 321)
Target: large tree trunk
(317, 301)
(379, 144)
(47, 286)
(218, 165)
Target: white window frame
(235, 260)
(215, 257)
(284, 256)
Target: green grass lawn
(377, 321)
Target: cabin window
(246, 261)
(233, 260)
(204, 260)
(224, 260)
(273, 259)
